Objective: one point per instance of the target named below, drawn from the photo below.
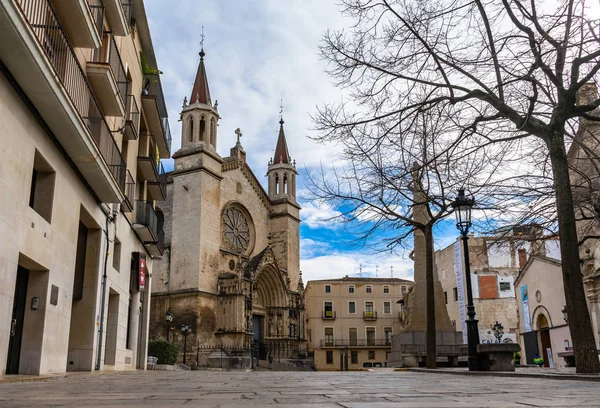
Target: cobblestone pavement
(225, 389)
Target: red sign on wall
(141, 272)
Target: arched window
(202, 128)
(191, 129)
(213, 135)
(277, 187)
(285, 184)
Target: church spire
(282, 155)
(200, 92)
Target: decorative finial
(281, 112)
(184, 101)
(216, 105)
(238, 132)
(202, 53)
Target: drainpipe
(109, 218)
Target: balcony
(127, 204)
(147, 229)
(118, 13)
(107, 77)
(158, 189)
(356, 343)
(369, 316)
(36, 51)
(155, 112)
(328, 315)
(82, 21)
(132, 120)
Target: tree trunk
(430, 297)
(582, 334)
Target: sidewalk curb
(26, 379)
(571, 377)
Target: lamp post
(565, 315)
(498, 331)
(186, 329)
(462, 207)
(169, 320)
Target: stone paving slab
(382, 388)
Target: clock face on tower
(238, 233)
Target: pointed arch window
(202, 129)
(285, 184)
(277, 184)
(213, 134)
(191, 129)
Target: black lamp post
(498, 331)
(169, 320)
(186, 329)
(462, 207)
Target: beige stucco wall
(315, 296)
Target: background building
(351, 320)
(82, 131)
(232, 268)
(495, 264)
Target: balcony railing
(167, 131)
(52, 39)
(356, 343)
(109, 53)
(370, 315)
(328, 315)
(133, 118)
(145, 216)
(97, 9)
(129, 193)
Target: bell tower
(199, 118)
(285, 214)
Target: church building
(231, 265)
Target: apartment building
(351, 321)
(495, 263)
(83, 126)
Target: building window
(387, 307)
(328, 309)
(351, 289)
(327, 288)
(41, 194)
(368, 309)
(371, 355)
(368, 289)
(329, 336)
(386, 289)
(351, 307)
(387, 335)
(455, 291)
(117, 255)
(446, 297)
(354, 357)
(370, 336)
(329, 355)
(403, 289)
(352, 334)
(504, 286)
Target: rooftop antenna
(360, 270)
(281, 111)
(376, 270)
(391, 271)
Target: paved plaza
(224, 389)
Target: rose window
(236, 230)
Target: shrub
(166, 351)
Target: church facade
(231, 265)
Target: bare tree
(512, 70)
(395, 186)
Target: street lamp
(565, 316)
(186, 329)
(169, 320)
(498, 331)
(462, 207)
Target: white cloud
(315, 214)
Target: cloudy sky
(258, 52)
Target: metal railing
(370, 315)
(51, 36)
(109, 53)
(167, 132)
(146, 216)
(162, 178)
(129, 190)
(328, 315)
(154, 88)
(133, 114)
(356, 343)
(97, 9)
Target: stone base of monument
(497, 357)
(409, 348)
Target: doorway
(16, 325)
(259, 336)
(544, 329)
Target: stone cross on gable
(238, 132)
